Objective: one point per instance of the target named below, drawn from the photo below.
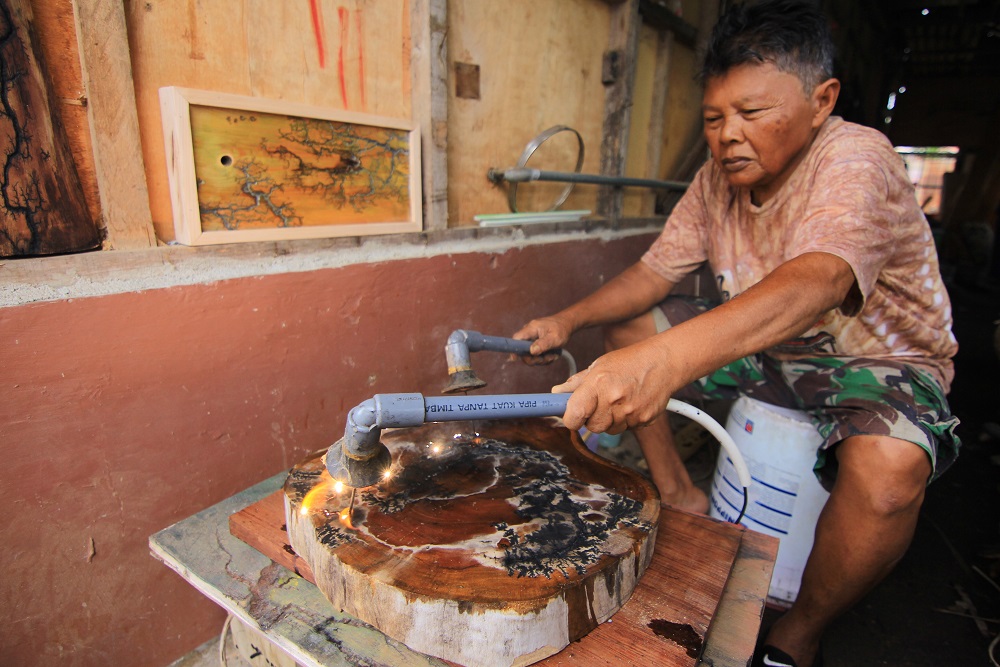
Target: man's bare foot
(691, 500)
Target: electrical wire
(570, 361)
(726, 440)
(710, 425)
(743, 510)
(223, 658)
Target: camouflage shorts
(844, 396)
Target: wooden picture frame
(251, 169)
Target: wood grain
(690, 568)
(492, 544)
(623, 46)
(540, 66)
(429, 91)
(114, 124)
(44, 211)
(262, 526)
(56, 29)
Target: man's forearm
(628, 295)
(782, 306)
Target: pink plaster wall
(123, 414)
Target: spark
(322, 488)
(347, 513)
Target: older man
(833, 304)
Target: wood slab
(681, 589)
(43, 210)
(491, 544)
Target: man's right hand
(548, 333)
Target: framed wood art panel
(252, 169)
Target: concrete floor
(941, 604)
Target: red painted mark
(317, 19)
(342, 15)
(361, 56)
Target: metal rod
(525, 174)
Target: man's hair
(792, 35)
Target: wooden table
(294, 615)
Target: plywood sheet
(539, 66)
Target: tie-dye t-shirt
(849, 196)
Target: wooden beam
(658, 106)
(619, 76)
(114, 123)
(666, 18)
(429, 72)
(56, 30)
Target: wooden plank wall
(682, 143)
(539, 66)
(642, 157)
(341, 54)
(535, 65)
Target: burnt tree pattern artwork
(486, 531)
(569, 533)
(262, 170)
(43, 207)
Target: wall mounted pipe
(526, 174)
(521, 173)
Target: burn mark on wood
(333, 536)
(511, 522)
(681, 634)
(553, 527)
(563, 524)
(42, 207)
(300, 482)
(288, 171)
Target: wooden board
(114, 124)
(44, 211)
(491, 543)
(55, 26)
(539, 65)
(681, 589)
(252, 169)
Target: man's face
(758, 120)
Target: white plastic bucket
(779, 446)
